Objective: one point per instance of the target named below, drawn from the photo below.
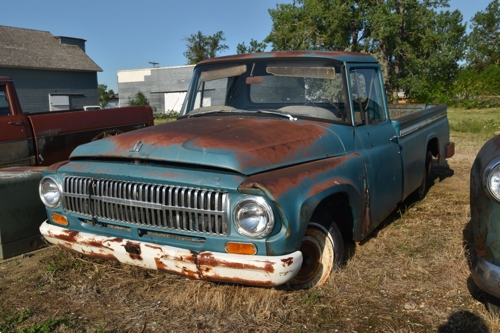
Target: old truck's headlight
(51, 191)
(253, 217)
(492, 178)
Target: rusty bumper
(486, 276)
(205, 265)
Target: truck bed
(58, 133)
(409, 121)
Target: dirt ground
(411, 275)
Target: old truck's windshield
(305, 88)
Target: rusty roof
(331, 55)
(26, 48)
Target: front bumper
(205, 265)
(486, 276)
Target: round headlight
(492, 177)
(51, 191)
(253, 217)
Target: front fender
(297, 191)
(485, 211)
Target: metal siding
(154, 86)
(34, 86)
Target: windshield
(305, 88)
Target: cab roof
(327, 55)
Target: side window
(4, 102)
(211, 93)
(366, 95)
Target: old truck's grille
(162, 206)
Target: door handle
(18, 123)
(395, 138)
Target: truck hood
(245, 145)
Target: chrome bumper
(205, 265)
(486, 276)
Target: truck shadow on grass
(463, 322)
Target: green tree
(478, 84)
(138, 100)
(484, 39)
(254, 47)
(104, 94)
(201, 47)
(417, 47)
(474, 89)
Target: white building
(164, 87)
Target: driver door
(14, 140)
(374, 140)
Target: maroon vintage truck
(29, 141)
(48, 137)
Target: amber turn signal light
(59, 219)
(241, 248)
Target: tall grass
(160, 118)
(483, 123)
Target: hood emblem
(136, 147)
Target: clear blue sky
(129, 34)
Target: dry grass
(411, 275)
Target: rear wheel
(322, 252)
(423, 188)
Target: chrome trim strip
(419, 125)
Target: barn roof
(36, 49)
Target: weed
(50, 325)
(63, 263)
(9, 320)
(102, 325)
(160, 118)
(313, 297)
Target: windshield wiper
(273, 112)
(278, 113)
(208, 112)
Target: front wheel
(322, 252)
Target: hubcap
(311, 261)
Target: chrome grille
(161, 206)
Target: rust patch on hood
(232, 133)
(247, 145)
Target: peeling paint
(280, 182)
(205, 265)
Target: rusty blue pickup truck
(275, 161)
